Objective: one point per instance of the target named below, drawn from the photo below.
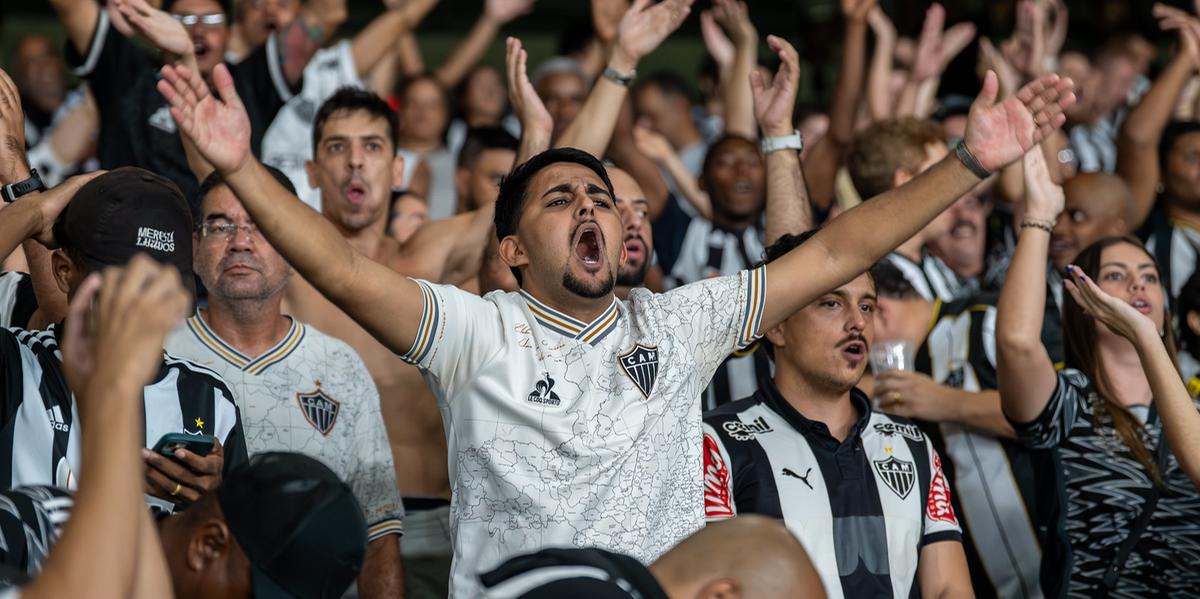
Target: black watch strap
(15, 190)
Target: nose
(857, 321)
(357, 156)
(242, 240)
(633, 219)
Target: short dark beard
(581, 288)
(628, 277)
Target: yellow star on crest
(200, 423)
(888, 449)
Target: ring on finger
(178, 487)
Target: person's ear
(63, 269)
(310, 169)
(210, 545)
(511, 252)
(721, 588)
(775, 336)
(398, 172)
(1193, 321)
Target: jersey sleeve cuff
(96, 48)
(938, 537)
(427, 329)
(754, 286)
(390, 526)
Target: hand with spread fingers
(999, 133)
(1119, 316)
(643, 27)
(773, 106)
(734, 17)
(217, 124)
(182, 479)
(526, 104)
(14, 165)
(156, 26)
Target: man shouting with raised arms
(572, 417)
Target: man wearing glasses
(135, 125)
(297, 389)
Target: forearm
(788, 209)
(152, 579)
(879, 76)
(1146, 121)
(821, 169)
(375, 40)
(685, 182)
(18, 221)
(1026, 374)
(74, 138)
(533, 142)
(382, 574)
(409, 55)
(848, 93)
(907, 104)
(624, 153)
(79, 18)
(592, 128)
(468, 51)
(1181, 421)
(739, 100)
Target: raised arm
(385, 303)
(644, 26)
(879, 75)
(537, 125)
(935, 49)
(1137, 144)
(788, 209)
(1023, 366)
(377, 39)
(1181, 421)
(79, 18)
(826, 156)
(657, 148)
(102, 547)
(624, 152)
(997, 134)
(734, 18)
(496, 13)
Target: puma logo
(788, 472)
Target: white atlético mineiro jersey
(310, 394)
(569, 433)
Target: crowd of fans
(355, 325)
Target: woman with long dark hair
(1131, 517)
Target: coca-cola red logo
(938, 507)
(718, 503)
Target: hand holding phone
(183, 467)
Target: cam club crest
(898, 475)
(641, 366)
(320, 410)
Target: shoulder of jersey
(976, 303)
(192, 369)
(730, 410)
(34, 340)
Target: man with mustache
(864, 491)
(571, 416)
(297, 388)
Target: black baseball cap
(128, 211)
(298, 523)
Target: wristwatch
(782, 142)
(622, 80)
(13, 191)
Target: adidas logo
(57, 422)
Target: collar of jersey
(780, 405)
(246, 363)
(588, 332)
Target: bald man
(1097, 206)
(748, 557)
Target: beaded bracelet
(1037, 224)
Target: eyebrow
(1141, 266)
(216, 216)
(560, 188)
(593, 188)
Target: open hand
(773, 105)
(524, 99)
(186, 477)
(991, 59)
(504, 11)
(719, 46)
(117, 321)
(606, 15)
(156, 26)
(1173, 19)
(13, 163)
(734, 18)
(998, 133)
(1044, 199)
(217, 125)
(1120, 317)
(644, 26)
(937, 46)
(880, 24)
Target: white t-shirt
(567, 433)
(287, 144)
(310, 394)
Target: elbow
(1016, 346)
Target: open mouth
(1141, 305)
(635, 248)
(743, 187)
(356, 193)
(587, 246)
(200, 50)
(855, 351)
(964, 231)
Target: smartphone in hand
(200, 445)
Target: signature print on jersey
(320, 410)
(898, 475)
(641, 366)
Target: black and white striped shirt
(863, 507)
(40, 442)
(31, 520)
(17, 301)
(576, 573)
